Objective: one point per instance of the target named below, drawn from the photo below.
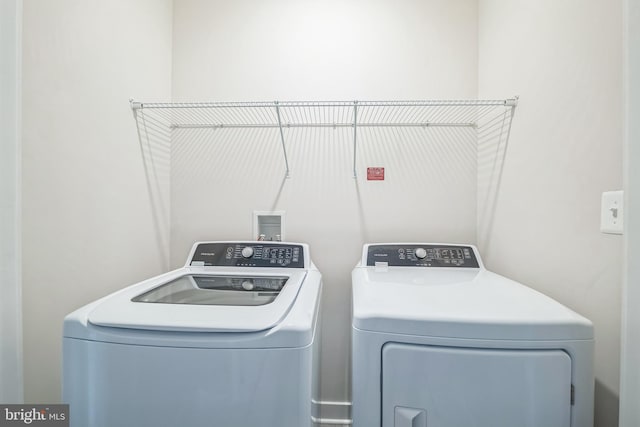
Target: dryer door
(428, 386)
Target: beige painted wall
(310, 50)
(630, 371)
(11, 389)
(326, 50)
(87, 227)
(564, 58)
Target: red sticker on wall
(375, 174)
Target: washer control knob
(420, 253)
(247, 252)
(247, 285)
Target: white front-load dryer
(439, 341)
(227, 340)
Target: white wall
(310, 50)
(87, 223)
(11, 388)
(304, 49)
(630, 371)
(564, 58)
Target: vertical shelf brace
(284, 149)
(355, 133)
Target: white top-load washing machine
(227, 340)
(439, 341)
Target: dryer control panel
(249, 254)
(422, 255)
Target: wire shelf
(161, 118)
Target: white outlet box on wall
(268, 225)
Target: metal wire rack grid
(160, 118)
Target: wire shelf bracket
(284, 148)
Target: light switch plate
(612, 212)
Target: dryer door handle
(409, 417)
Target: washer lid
(459, 303)
(203, 300)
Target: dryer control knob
(420, 253)
(247, 252)
(247, 285)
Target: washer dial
(247, 252)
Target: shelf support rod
(355, 135)
(284, 149)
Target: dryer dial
(420, 253)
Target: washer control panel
(422, 255)
(250, 254)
